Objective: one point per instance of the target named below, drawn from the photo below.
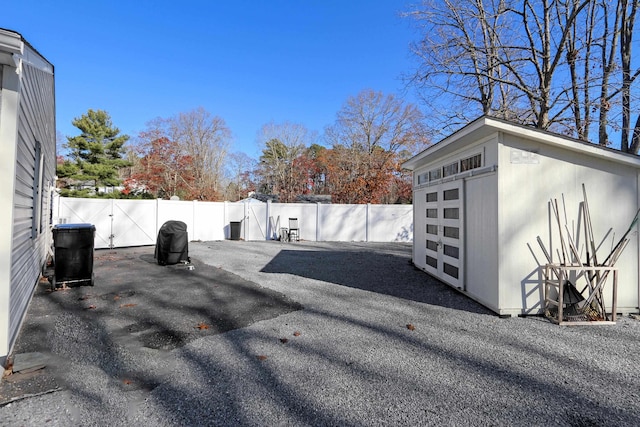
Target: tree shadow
(389, 273)
(224, 381)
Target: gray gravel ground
(348, 358)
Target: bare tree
(240, 170)
(521, 49)
(205, 139)
(371, 131)
(460, 60)
(628, 11)
(282, 144)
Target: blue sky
(249, 62)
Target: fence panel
(136, 222)
(92, 211)
(343, 223)
(305, 213)
(390, 223)
(208, 221)
(175, 210)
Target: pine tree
(97, 153)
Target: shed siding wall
(34, 177)
(481, 232)
(525, 189)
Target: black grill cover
(172, 245)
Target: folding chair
(294, 230)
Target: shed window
(449, 170)
(451, 213)
(451, 194)
(422, 178)
(431, 261)
(472, 162)
(431, 245)
(432, 213)
(432, 197)
(432, 229)
(450, 270)
(435, 174)
(452, 232)
(452, 251)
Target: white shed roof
(486, 126)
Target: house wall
(28, 125)
(530, 175)
(9, 86)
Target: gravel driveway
(347, 357)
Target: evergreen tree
(97, 153)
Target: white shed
(28, 167)
(482, 197)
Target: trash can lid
(73, 226)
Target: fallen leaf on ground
(261, 357)
(126, 381)
(116, 298)
(284, 340)
(202, 326)
(411, 327)
(296, 334)
(7, 372)
(91, 307)
(127, 305)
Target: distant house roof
(250, 200)
(314, 198)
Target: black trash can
(73, 254)
(172, 245)
(235, 226)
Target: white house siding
(27, 119)
(8, 132)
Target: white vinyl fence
(122, 223)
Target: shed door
(444, 232)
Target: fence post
(318, 221)
(193, 218)
(157, 215)
(267, 227)
(225, 221)
(368, 222)
(246, 221)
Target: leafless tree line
(560, 65)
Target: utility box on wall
(482, 198)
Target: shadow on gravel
(374, 271)
(136, 304)
(233, 402)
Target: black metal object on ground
(172, 244)
(235, 227)
(73, 254)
